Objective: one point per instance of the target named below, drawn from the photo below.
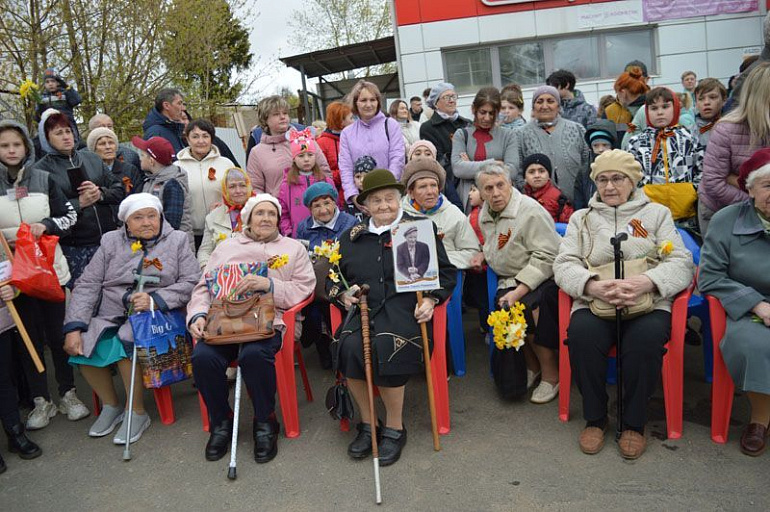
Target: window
(528, 63)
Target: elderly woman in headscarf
(104, 143)
(97, 329)
(225, 221)
(256, 260)
(367, 258)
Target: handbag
(680, 198)
(509, 371)
(163, 348)
(233, 320)
(338, 401)
(32, 270)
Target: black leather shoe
(361, 447)
(393, 441)
(18, 442)
(266, 440)
(219, 440)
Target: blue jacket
(158, 125)
(319, 234)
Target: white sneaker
(71, 405)
(107, 421)
(41, 415)
(532, 378)
(544, 393)
(139, 423)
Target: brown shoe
(592, 440)
(753, 439)
(632, 444)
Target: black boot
(392, 443)
(219, 440)
(266, 439)
(18, 442)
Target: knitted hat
(537, 158)
(423, 168)
(98, 133)
(157, 147)
(379, 179)
(136, 202)
(364, 164)
(545, 89)
(301, 142)
(422, 144)
(254, 201)
(600, 135)
(617, 160)
(51, 73)
(758, 160)
(436, 91)
(316, 190)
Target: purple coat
(729, 146)
(100, 298)
(380, 139)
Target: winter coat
(729, 146)
(291, 283)
(158, 125)
(130, 178)
(204, 192)
(316, 234)
(565, 146)
(256, 136)
(454, 230)
(588, 239)
(411, 132)
(684, 162)
(520, 243)
(554, 202)
(379, 138)
(100, 298)
(702, 129)
(578, 110)
(504, 146)
(329, 142)
(686, 119)
(128, 155)
(293, 210)
(367, 258)
(268, 161)
(170, 185)
(218, 227)
(44, 202)
(440, 132)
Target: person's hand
(602, 290)
(73, 343)
(196, 328)
(510, 298)
(464, 157)
(629, 290)
(412, 270)
(37, 229)
(762, 310)
(477, 261)
(88, 194)
(360, 206)
(7, 293)
(215, 205)
(424, 312)
(349, 298)
(252, 283)
(140, 301)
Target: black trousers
(257, 362)
(589, 340)
(9, 410)
(44, 321)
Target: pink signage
(657, 10)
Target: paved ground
(499, 456)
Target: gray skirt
(746, 351)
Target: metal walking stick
(231, 471)
(616, 241)
(429, 380)
(370, 388)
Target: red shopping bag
(33, 271)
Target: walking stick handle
(25, 336)
(429, 379)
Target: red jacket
(552, 200)
(330, 146)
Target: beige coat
(203, 192)
(531, 246)
(598, 224)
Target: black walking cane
(616, 241)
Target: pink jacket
(729, 146)
(269, 158)
(292, 283)
(293, 211)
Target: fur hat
(619, 161)
(436, 91)
(98, 133)
(537, 158)
(423, 168)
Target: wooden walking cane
(5, 248)
(364, 305)
(429, 379)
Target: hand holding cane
(429, 379)
(616, 241)
(364, 305)
(231, 471)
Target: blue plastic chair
(455, 324)
(561, 228)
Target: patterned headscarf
(235, 174)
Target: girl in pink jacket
(304, 171)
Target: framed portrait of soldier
(415, 260)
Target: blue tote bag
(163, 348)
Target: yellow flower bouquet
(29, 89)
(276, 262)
(509, 327)
(331, 251)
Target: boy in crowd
(58, 95)
(710, 97)
(510, 111)
(538, 185)
(573, 105)
(600, 137)
(361, 167)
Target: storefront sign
(617, 13)
(493, 3)
(657, 10)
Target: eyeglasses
(616, 180)
(449, 97)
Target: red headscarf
(667, 131)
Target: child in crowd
(668, 155)
(361, 167)
(604, 102)
(600, 137)
(537, 178)
(58, 95)
(475, 293)
(303, 173)
(687, 112)
(689, 82)
(710, 97)
(510, 110)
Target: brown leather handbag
(240, 321)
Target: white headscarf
(136, 202)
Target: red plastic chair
(722, 387)
(437, 361)
(163, 402)
(285, 379)
(673, 362)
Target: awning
(344, 58)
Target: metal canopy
(344, 58)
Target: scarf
(232, 208)
(482, 136)
(764, 220)
(661, 134)
(267, 240)
(453, 117)
(708, 126)
(428, 211)
(549, 124)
